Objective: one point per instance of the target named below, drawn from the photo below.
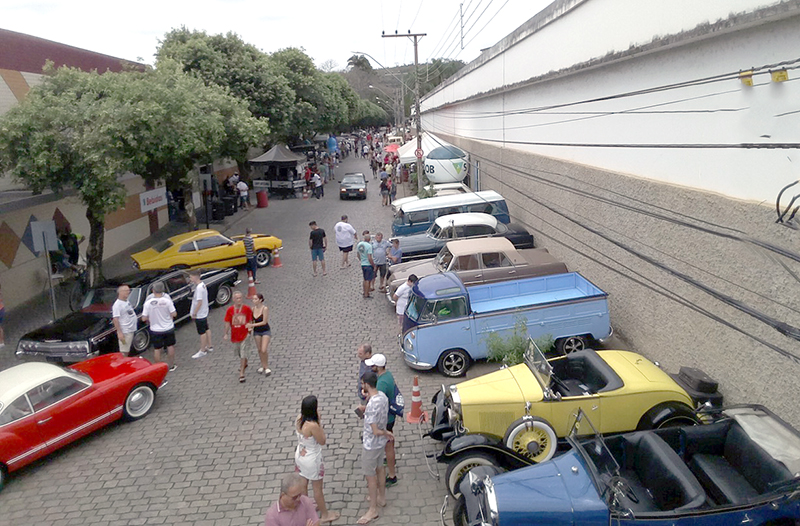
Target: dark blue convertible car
(742, 469)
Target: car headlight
(343, 190)
(360, 189)
(455, 404)
(408, 341)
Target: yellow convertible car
(207, 249)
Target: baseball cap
(376, 359)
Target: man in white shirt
(401, 296)
(241, 186)
(199, 313)
(160, 313)
(317, 181)
(374, 438)
(124, 319)
(346, 237)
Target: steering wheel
(621, 485)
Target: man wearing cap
(386, 386)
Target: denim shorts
(317, 254)
(368, 271)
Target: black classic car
(460, 226)
(353, 185)
(90, 331)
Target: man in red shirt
(236, 319)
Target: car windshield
(415, 306)
(102, 299)
(538, 364)
(443, 260)
(161, 247)
(352, 179)
(589, 442)
(434, 230)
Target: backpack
(397, 403)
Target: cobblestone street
(213, 450)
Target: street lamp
(397, 109)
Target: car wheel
(139, 401)
(263, 258)
(532, 437)
(224, 295)
(571, 344)
(668, 414)
(460, 512)
(453, 363)
(460, 466)
(76, 295)
(3, 476)
(141, 341)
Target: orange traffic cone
(251, 285)
(276, 259)
(416, 415)
(305, 193)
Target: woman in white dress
(308, 456)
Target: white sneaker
(199, 354)
(209, 349)
(260, 370)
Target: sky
(328, 31)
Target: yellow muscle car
(207, 249)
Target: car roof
(440, 285)
(19, 379)
(197, 234)
(354, 173)
(461, 247)
(467, 218)
(469, 198)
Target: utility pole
(415, 37)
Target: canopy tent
(429, 143)
(280, 153)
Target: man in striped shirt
(250, 253)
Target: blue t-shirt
(396, 253)
(364, 250)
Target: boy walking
(318, 243)
(199, 313)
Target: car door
(497, 267)
(66, 409)
(218, 252)
(188, 255)
(468, 268)
(562, 412)
(180, 291)
(451, 314)
(20, 439)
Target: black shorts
(390, 426)
(368, 271)
(383, 270)
(162, 339)
(202, 325)
(346, 249)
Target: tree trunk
(94, 251)
(188, 204)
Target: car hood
(512, 385)
(558, 492)
(416, 242)
(352, 186)
(110, 366)
(76, 326)
(422, 268)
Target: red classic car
(44, 406)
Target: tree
(359, 62)
(57, 138)
(329, 66)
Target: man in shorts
(318, 243)
(124, 319)
(374, 438)
(236, 319)
(199, 313)
(386, 386)
(380, 251)
(364, 251)
(160, 313)
(345, 239)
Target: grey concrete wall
(659, 327)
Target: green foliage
(359, 62)
(511, 350)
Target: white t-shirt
(127, 317)
(345, 234)
(242, 187)
(159, 313)
(403, 292)
(317, 180)
(200, 294)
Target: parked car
(44, 407)
(461, 226)
(531, 405)
(353, 185)
(420, 215)
(207, 249)
(742, 469)
(434, 190)
(477, 261)
(448, 326)
(90, 331)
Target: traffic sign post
(419, 153)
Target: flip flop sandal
(241, 379)
(267, 372)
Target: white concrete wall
(725, 112)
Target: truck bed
(522, 293)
